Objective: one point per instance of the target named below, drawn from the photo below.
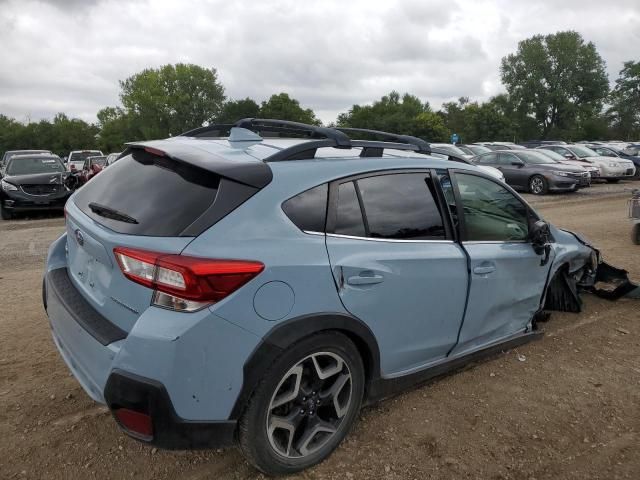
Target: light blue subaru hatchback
(260, 287)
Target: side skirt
(382, 388)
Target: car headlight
(7, 187)
(613, 164)
(560, 173)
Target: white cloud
(69, 55)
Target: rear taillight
(185, 283)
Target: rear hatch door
(143, 202)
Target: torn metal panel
(612, 283)
(578, 267)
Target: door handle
(365, 280)
(484, 269)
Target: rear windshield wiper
(111, 213)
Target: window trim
(333, 206)
(531, 214)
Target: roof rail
(284, 126)
(423, 146)
(327, 137)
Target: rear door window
(401, 206)
(158, 195)
(308, 210)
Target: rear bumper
(126, 390)
(186, 368)
(89, 345)
(89, 359)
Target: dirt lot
(567, 408)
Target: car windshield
(604, 151)
(478, 149)
(32, 165)
(82, 156)
(551, 154)
(451, 149)
(582, 152)
(466, 150)
(534, 158)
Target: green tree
(473, 121)
(406, 115)
(282, 107)
(116, 128)
(557, 79)
(172, 99)
(391, 113)
(68, 134)
(60, 135)
(430, 125)
(235, 110)
(624, 112)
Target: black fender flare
(290, 331)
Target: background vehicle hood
(578, 163)
(36, 179)
(494, 172)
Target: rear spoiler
(255, 174)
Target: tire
(293, 420)
(538, 185)
(613, 180)
(635, 234)
(4, 214)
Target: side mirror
(568, 156)
(517, 163)
(539, 235)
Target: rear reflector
(137, 423)
(188, 283)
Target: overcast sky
(68, 55)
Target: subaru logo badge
(79, 237)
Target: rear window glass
(163, 196)
(308, 210)
(401, 207)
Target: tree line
(556, 88)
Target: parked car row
(544, 166)
(36, 180)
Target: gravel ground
(565, 407)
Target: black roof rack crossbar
(301, 151)
(423, 146)
(340, 139)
